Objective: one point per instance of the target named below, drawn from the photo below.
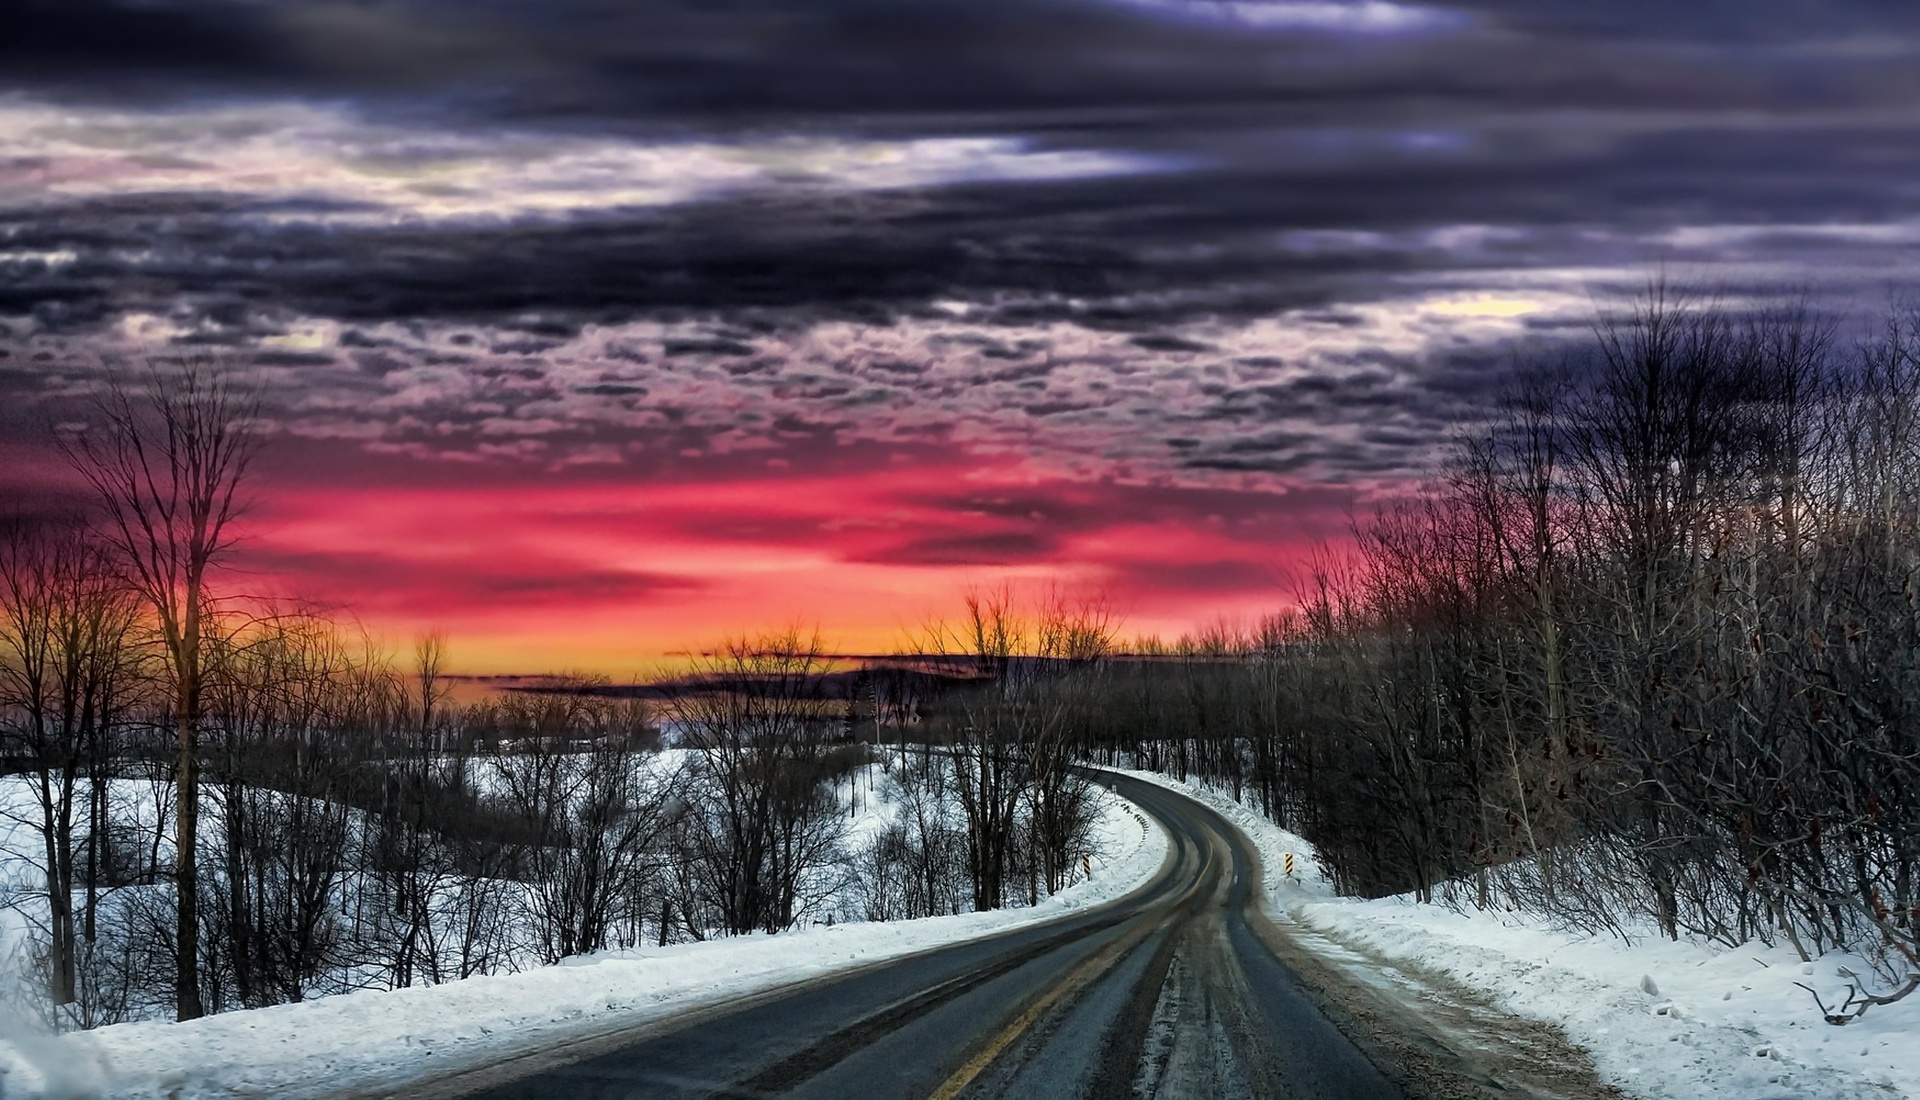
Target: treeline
(356, 829)
(359, 829)
(1647, 654)
(214, 802)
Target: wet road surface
(1177, 990)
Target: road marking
(1098, 961)
(1089, 968)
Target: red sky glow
(612, 575)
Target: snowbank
(383, 1039)
(1661, 1019)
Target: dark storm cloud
(1279, 463)
(81, 42)
(1000, 548)
(1714, 22)
(411, 584)
(1105, 253)
(676, 60)
(274, 358)
(1160, 341)
(732, 178)
(1092, 507)
(1588, 131)
(653, 60)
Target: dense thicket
(1649, 651)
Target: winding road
(1178, 990)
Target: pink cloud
(602, 567)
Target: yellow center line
(1080, 974)
(1075, 979)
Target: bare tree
(991, 769)
(1014, 733)
(409, 853)
(763, 826)
(591, 808)
(1075, 636)
(283, 697)
(167, 463)
(65, 626)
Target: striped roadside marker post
(1289, 864)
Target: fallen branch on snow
(1858, 1000)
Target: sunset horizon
(1359, 549)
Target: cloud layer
(1131, 252)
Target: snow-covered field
(375, 1040)
(1661, 1019)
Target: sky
(591, 332)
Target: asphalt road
(1171, 991)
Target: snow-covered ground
(374, 1040)
(1661, 1019)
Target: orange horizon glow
(627, 578)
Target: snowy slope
(384, 1039)
(1661, 1019)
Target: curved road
(1174, 990)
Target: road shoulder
(1654, 1019)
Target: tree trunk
(186, 832)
